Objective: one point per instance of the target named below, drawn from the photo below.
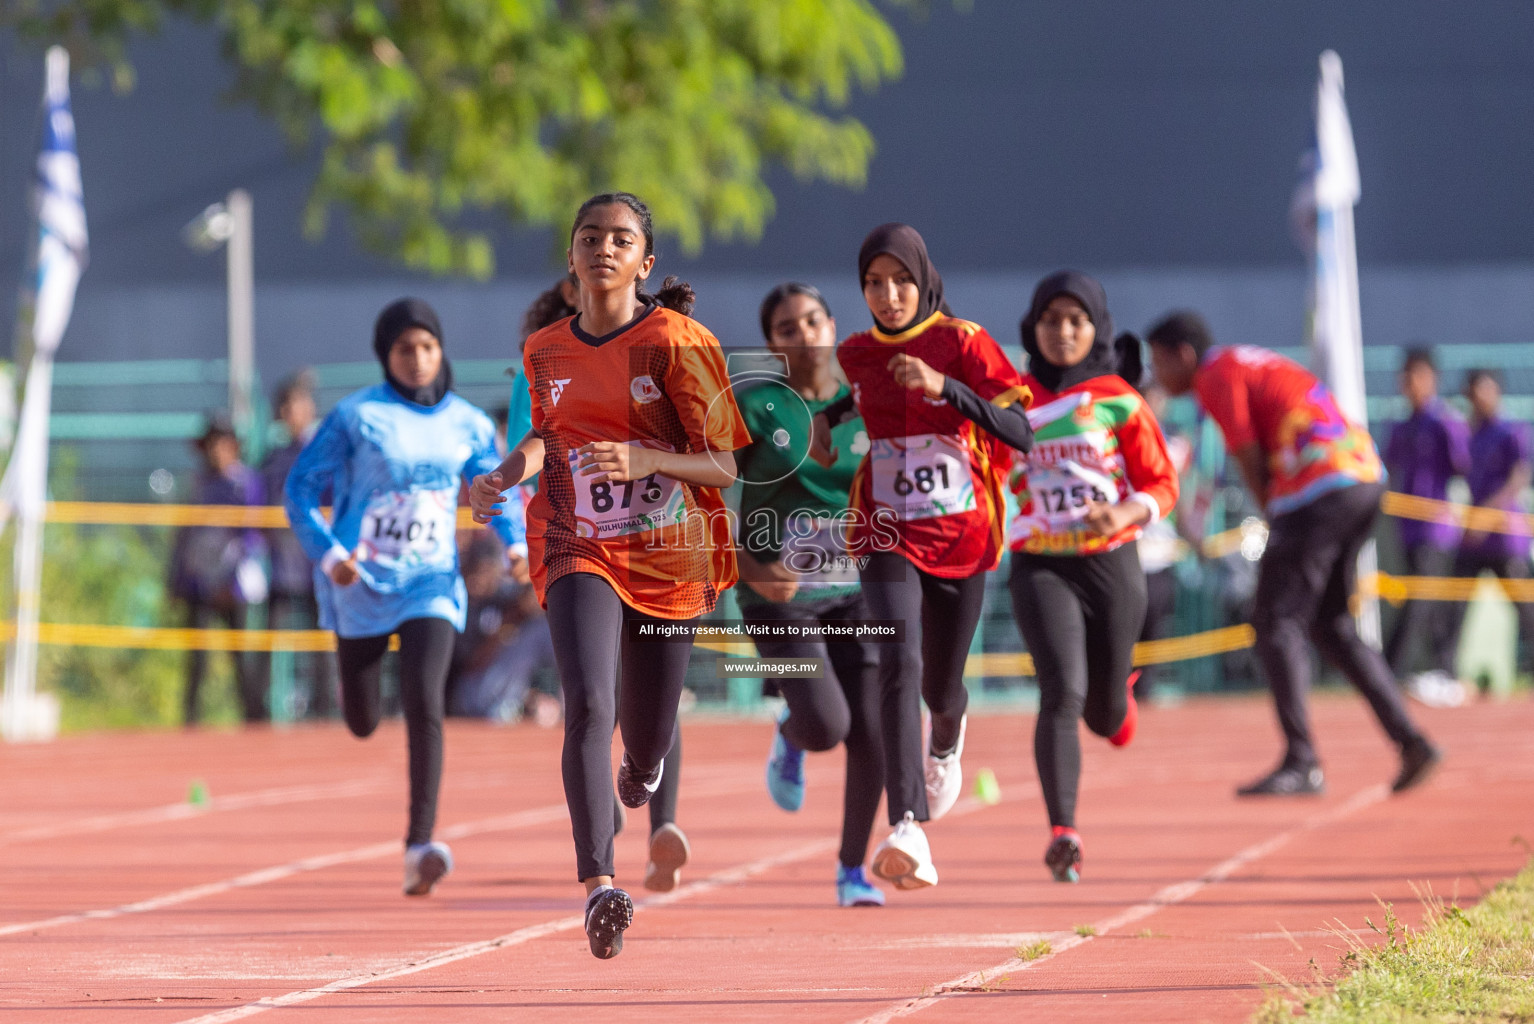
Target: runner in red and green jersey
(1098, 473)
(943, 409)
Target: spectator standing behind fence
(293, 605)
(217, 570)
(1426, 451)
(1499, 473)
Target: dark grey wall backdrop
(1154, 144)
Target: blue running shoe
(853, 888)
(785, 770)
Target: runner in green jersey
(794, 567)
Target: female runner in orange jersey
(634, 429)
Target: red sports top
(1258, 396)
(930, 486)
(1095, 441)
(665, 546)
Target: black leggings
(587, 621)
(425, 648)
(1305, 583)
(940, 617)
(826, 711)
(1080, 617)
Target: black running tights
(940, 617)
(1080, 617)
(425, 648)
(839, 707)
(587, 622)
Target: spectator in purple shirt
(1499, 472)
(1425, 451)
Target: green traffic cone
(197, 793)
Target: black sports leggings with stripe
(587, 623)
(940, 617)
(1080, 617)
(425, 649)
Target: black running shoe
(608, 912)
(1063, 857)
(633, 789)
(1418, 760)
(1288, 780)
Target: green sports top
(784, 490)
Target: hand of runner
(773, 580)
(820, 442)
(485, 495)
(344, 574)
(911, 372)
(517, 567)
(1106, 519)
(615, 462)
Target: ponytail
(675, 294)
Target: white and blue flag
(45, 313)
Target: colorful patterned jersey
(1259, 397)
(1094, 442)
(660, 382)
(930, 486)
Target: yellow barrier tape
(1397, 589)
(254, 517)
(171, 638)
(1469, 517)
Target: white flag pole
(1336, 322)
(61, 255)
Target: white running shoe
(425, 866)
(945, 779)
(1436, 689)
(904, 857)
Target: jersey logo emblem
(557, 388)
(644, 390)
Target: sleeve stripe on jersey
(1016, 393)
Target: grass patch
(1034, 950)
(1086, 931)
(1466, 966)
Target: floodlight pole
(240, 254)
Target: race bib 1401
(605, 509)
(409, 528)
(923, 476)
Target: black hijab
(905, 244)
(1108, 355)
(396, 318)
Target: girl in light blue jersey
(389, 458)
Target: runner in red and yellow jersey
(1097, 475)
(634, 427)
(943, 409)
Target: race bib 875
(923, 476)
(607, 508)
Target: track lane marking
(179, 811)
(263, 876)
(1166, 897)
(721, 879)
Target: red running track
(279, 898)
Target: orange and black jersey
(660, 382)
(930, 486)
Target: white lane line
(1169, 896)
(263, 876)
(719, 880)
(730, 876)
(176, 812)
